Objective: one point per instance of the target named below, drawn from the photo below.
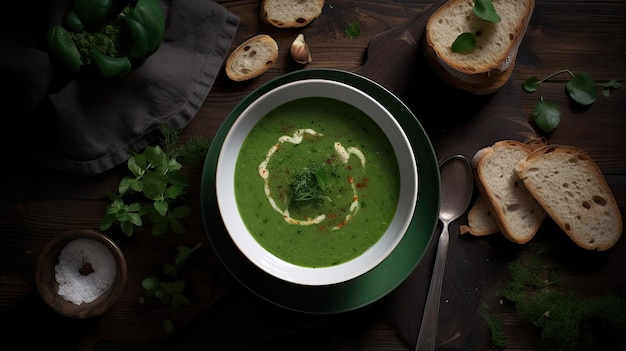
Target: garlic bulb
(300, 50)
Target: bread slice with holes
(518, 215)
(252, 58)
(481, 217)
(489, 66)
(569, 185)
(290, 13)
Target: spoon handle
(428, 327)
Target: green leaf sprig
(169, 292)
(310, 184)
(581, 88)
(466, 42)
(155, 187)
(539, 291)
(156, 176)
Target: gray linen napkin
(89, 126)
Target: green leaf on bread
(466, 42)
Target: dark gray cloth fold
(90, 125)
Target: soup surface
(316, 182)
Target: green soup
(316, 182)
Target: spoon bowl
(456, 193)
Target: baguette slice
(252, 58)
(489, 66)
(571, 188)
(290, 13)
(517, 213)
(480, 219)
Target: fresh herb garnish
(353, 30)
(169, 292)
(542, 297)
(466, 42)
(485, 10)
(496, 326)
(310, 184)
(154, 189)
(581, 88)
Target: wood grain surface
(37, 203)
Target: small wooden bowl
(48, 287)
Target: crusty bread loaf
(480, 219)
(569, 185)
(252, 58)
(290, 13)
(518, 214)
(489, 66)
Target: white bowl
(225, 179)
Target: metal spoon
(456, 193)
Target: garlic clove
(300, 50)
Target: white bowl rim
(227, 204)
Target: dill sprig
(310, 184)
(567, 321)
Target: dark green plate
(368, 287)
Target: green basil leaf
(465, 42)
(134, 207)
(531, 84)
(150, 283)
(161, 207)
(485, 10)
(135, 219)
(127, 228)
(125, 184)
(547, 115)
(582, 88)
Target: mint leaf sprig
(155, 187)
(156, 177)
(466, 41)
(581, 88)
(169, 292)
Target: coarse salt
(85, 271)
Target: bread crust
(582, 205)
(480, 219)
(489, 83)
(252, 58)
(290, 13)
(457, 72)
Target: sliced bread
(489, 66)
(569, 185)
(290, 13)
(517, 213)
(480, 219)
(252, 58)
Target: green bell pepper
(106, 37)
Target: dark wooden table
(37, 203)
